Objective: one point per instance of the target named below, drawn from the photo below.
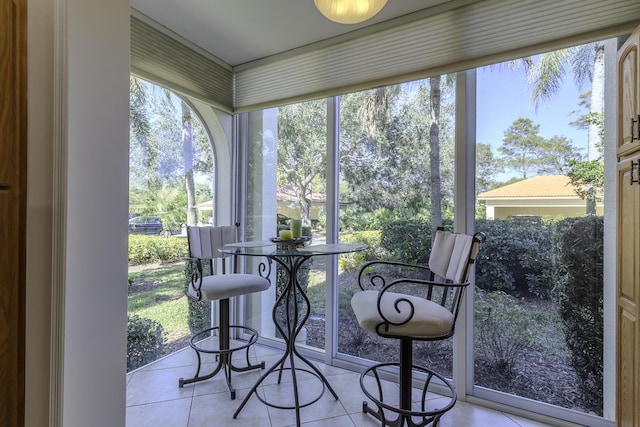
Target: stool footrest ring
(405, 416)
(202, 335)
(223, 355)
(293, 406)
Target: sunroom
(252, 114)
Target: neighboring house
(550, 196)
(287, 205)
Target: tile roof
(286, 193)
(538, 186)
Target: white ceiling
(240, 31)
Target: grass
(549, 333)
(164, 301)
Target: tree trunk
(303, 194)
(187, 153)
(434, 136)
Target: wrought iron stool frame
(408, 318)
(225, 352)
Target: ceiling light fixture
(349, 11)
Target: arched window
(174, 145)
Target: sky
(504, 95)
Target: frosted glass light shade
(349, 11)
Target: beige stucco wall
(546, 213)
(292, 210)
(546, 208)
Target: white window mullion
(464, 216)
(332, 206)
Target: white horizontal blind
(473, 35)
(165, 60)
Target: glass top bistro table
(295, 303)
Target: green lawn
(164, 301)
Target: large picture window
(396, 187)
(529, 343)
(539, 313)
(171, 169)
(286, 149)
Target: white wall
(95, 308)
(78, 67)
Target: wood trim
(13, 172)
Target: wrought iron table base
(293, 324)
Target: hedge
(145, 249)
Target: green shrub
(353, 261)
(353, 218)
(503, 331)
(407, 240)
(580, 297)
(145, 249)
(145, 341)
(517, 257)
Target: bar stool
(221, 285)
(413, 303)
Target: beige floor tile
(464, 414)
(154, 398)
(184, 357)
(344, 421)
(170, 413)
(348, 390)
(523, 422)
(325, 408)
(361, 419)
(217, 410)
(218, 384)
(157, 385)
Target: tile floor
(155, 400)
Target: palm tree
(587, 64)
(436, 85)
(375, 113)
(140, 127)
(142, 95)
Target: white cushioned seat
(231, 285)
(429, 320)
